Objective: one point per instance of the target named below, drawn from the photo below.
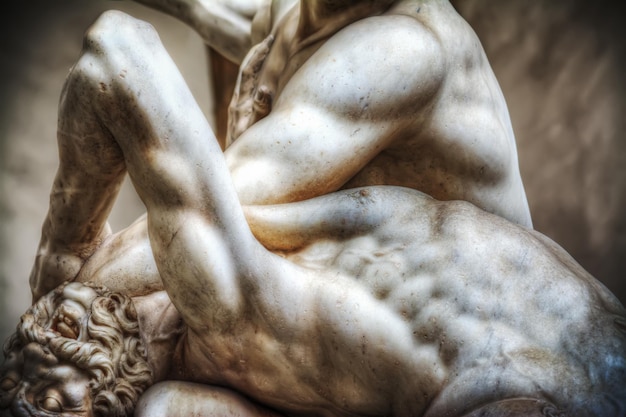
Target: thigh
(180, 399)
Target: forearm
(83, 192)
(224, 26)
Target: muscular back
(402, 98)
(377, 262)
(461, 146)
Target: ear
(517, 407)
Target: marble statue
(363, 246)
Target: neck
(320, 18)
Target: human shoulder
(396, 39)
(371, 67)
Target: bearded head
(76, 352)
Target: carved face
(35, 384)
(71, 312)
(76, 352)
(32, 380)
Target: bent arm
(125, 98)
(224, 25)
(348, 102)
(316, 138)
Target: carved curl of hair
(113, 357)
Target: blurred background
(560, 63)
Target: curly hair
(112, 355)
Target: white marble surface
(39, 49)
(42, 45)
(391, 284)
(527, 357)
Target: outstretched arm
(224, 25)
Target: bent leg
(122, 101)
(126, 99)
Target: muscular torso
(459, 145)
(455, 320)
(395, 312)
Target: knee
(115, 31)
(117, 50)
